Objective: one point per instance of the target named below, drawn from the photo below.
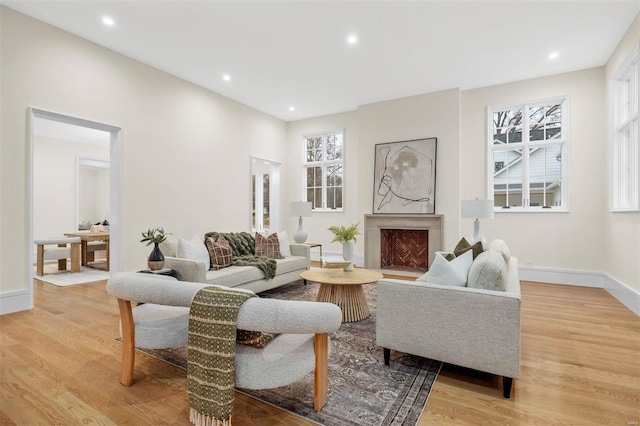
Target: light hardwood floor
(59, 364)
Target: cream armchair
(301, 347)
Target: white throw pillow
(285, 248)
(452, 272)
(194, 249)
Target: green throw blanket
(243, 247)
(211, 355)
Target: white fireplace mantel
(374, 223)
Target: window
(625, 184)
(528, 145)
(323, 169)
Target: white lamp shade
(300, 209)
(477, 209)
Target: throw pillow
(220, 252)
(169, 247)
(285, 248)
(463, 246)
(488, 271)
(502, 248)
(268, 246)
(446, 272)
(193, 249)
(256, 339)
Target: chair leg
(321, 378)
(40, 260)
(507, 382)
(128, 342)
(387, 355)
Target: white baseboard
(15, 301)
(625, 294)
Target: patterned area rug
(362, 390)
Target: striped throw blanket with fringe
(211, 355)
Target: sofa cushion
(268, 246)
(169, 247)
(234, 275)
(488, 271)
(219, 252)
(285, 247)
(463, 246)
(193, 249)
(501, 247)
(446, 272)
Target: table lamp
(477, 209)
(300, 209)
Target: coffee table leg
(350, 299)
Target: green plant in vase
(155, 237)
(347, 235)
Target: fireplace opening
(404, 249)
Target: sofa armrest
(473, 328)
(289, 316)
(148, 288)
(187, 269)
(302, 250)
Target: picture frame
(404, 180)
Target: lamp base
(300, 236)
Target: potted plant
(347, 236)
(155, 237)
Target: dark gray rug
(362, 390)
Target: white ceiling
(283, 53)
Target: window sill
(531, 210)
(629, 210)
(327, 211)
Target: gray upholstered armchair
(301, 347)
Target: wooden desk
(85, 237)
(344, 288)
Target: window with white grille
(625, 183)
(323, 170)
(527, 164)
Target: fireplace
(403, 243)
(404, 249)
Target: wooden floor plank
(59, 364)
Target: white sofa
(469, 327)
(247, 277)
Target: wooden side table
(344, 288)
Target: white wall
(408, 118)
(55, 184)
(553, 240)
(622, 230)
(316, 226)
(93, 194)
(186, 149)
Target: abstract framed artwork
(405, 177)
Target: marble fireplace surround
(374, 223)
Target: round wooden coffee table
(344, 288)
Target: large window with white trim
(323, 169)
(625, 183)
(527, 155)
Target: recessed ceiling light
(108, 21)
(226, 77)
(352, 39)
(553, 55)
(292, 108)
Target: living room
(184, 159)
